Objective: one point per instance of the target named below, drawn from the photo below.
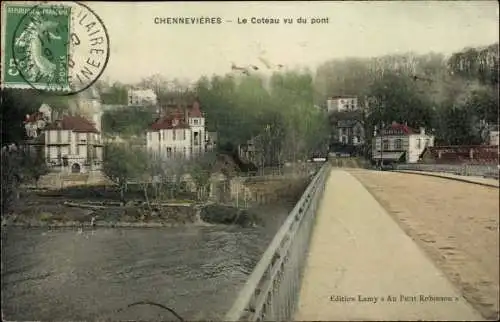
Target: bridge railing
(271, 291)
(477, 170)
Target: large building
(180, 134)
(145, 97)
(341, 104)
(70, 142)
(400, 143)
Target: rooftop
(398, 128)
(30, 118)
(342, 96)
(73, 123)
(169, 122)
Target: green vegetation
(281, 112)
(457, 96)
(132, 120)
(123, 164)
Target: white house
(142, 97)
(180, 134)
(341, 104)
(69, 144)
(494, 135)
(400, 143)
(73, 144)
(494, 138)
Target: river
(69, 275)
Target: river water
(69, 275)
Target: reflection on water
(63, 274)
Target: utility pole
(237, 194)
(381, 144)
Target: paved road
(360, 258)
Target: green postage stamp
(36, 46)
(62, 47)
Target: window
(183, 134)
(398, 144)
(418, 144)
(196, 138)
(159, 136)
(169, 152)
(58, 136)
(78, 149)
(174, 134)
(195, 121)
(59, 156)
(385, 145)
(69, 136)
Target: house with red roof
(400, 143)
(180, 134)
(70, 143)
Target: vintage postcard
(250, 161)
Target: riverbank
(54, 213)
(142, 216)
(96, 206)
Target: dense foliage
(280, 111)
(127, 121)
(456, 96)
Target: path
(455, 223)
(358, 251)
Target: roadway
(362, 265)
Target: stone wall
(58, 180)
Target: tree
(11, 177)
(123, 163)
(200, 169)
(19, 166)
(115, 94)
(33, 165)
(127, 122)
(167, 175)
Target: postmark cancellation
(62, 47)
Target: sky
(140, 47)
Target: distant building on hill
(142, 97)
(341, 104)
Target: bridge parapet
(476, 170)
(271, 291)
